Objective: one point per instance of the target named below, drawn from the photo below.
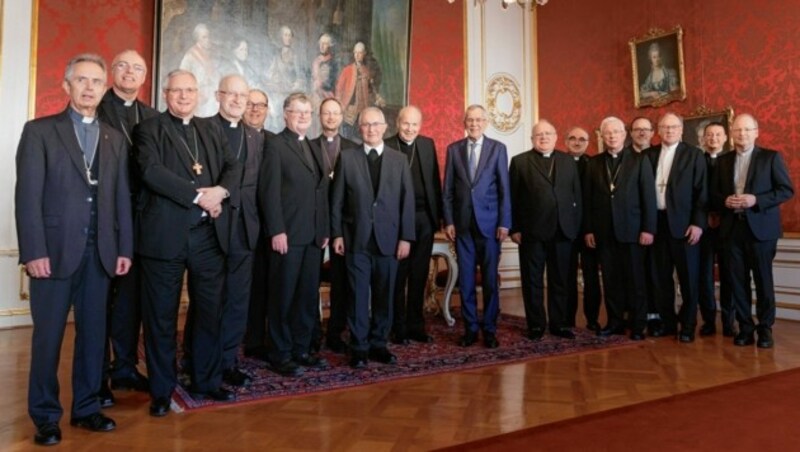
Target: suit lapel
(751, 169)
(208, 144)
(316, 152)
(486, 149)
(178, 144)
(66, 132)
(103, 152)
(532, 159)
(463, 154)
(363, 168)
(294, 145)
(679, 162)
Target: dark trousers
(623, 283)
(745, 254)
(711, 250)
(676, 254)
(86, 291)
(340, 296)
(238, 284)
(162, 281)
(412, 279)
(474, 250)
(293, 307)
(256, 334)
(591, 283)
(534, 255)
(124, 323)
(372, 279)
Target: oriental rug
(413, 360)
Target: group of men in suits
(247, 215)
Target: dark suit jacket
(356, 211)
(107, 113)
(431, 178)
(247, 208)
(538, 207)
(767, 179)
(344, 143)
(711, 168)
(168, 186)
(294, 196)
(631, 209)
(687, 188)
(488, 199)
(53, 196)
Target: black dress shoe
(637, 335)
(611, 330)
(765, 339)
(663, 331)
(315, 346)
(744, 339)
(133, 382)
(468, 339)
(336, 345)
(105, 396)
(563, 333)
(48, 434)
(490, 340)
(159, 407)
(95, 422)
(535, 334)
(311, 360)
(398, 339)
(728, 331)
(259, 353)
(708, 329)
(593, 326)
(218, 395)
(421, 336)
(358, 360)
(287, 368)
(382, 355)
(236, 377)
(686, 337)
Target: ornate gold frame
(703, 113)
(502, 84)
(656, 34)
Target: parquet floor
(413, 414)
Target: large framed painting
(657, 60)
(694, 125)
(354, 50)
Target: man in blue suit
(75, 233)
(477, 215)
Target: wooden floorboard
(412, 414)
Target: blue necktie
(473, 161)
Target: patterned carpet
(414, 360)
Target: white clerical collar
(545, 154)
(576, 157)
(128, 103)
(408, 143)
(714, 155)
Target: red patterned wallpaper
(437, 53)
(105, 27)
(738, 53)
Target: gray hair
(84, 58)
(475, 107)
(174, 73)
(300, 97)
(607, 121)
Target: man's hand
(338, 246)
(38, 268)
(215, 212)
(693, 234)
(450, 232)
(212, 197)
(280, 243)
(403, 248)
(645, 238)
(748, 200)
(589, 239)
(123, 266)
(501, 234)
(517, 238)
(744, 201)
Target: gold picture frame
(657, 61)
(695, 123)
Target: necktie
(473, 161)
(374, 169)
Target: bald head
(409, 121)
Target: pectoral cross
(198, 168)
(89, 177)
(612, 187)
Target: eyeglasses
(641, 129)
(330, 113)
(124, 66)
(371, 125)
(234, 95)
(181, 91)
(256, 106)
(579, 139)
(544, 134)
(744, 129)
